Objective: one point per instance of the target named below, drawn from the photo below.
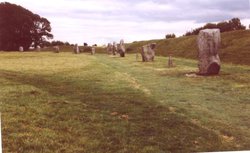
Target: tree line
(225, 26)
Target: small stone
(21, 48)
(56, 49)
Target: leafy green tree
(20, 27)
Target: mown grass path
(82, 103)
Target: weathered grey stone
(114, 48)
(56, 49)
(208, 44)
(121, 48)
(38, 48)
(92, 50)
(148, 52)
(170, 61)
(76, 49)
(21, 48)
(109, 48)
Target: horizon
(104, 21)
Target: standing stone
(148, 52)
(170, 61)
(109, 48)
(56, 49)
(208, 44)
(21, 48)
(76, 49)
(38, 48)
(121, 48)
(114, 48)
(92, 50)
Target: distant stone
(208, 45)
(76, 49)
(38, 48)
(21, 48)
(114, 48)
(92, 50)
(56, 49)
(170, 61)
(109, 48)
(148, 52)
(121, 48)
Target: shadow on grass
(110, 121)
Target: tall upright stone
(208, 44)
(92, 50)
(38, 48)
(114, 48)
(148, 52)
(170, 61)
(76, 49)
(21, 48)
(121, 48)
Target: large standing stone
(208, 45)
(21, 48)
(148, 52)
(121, 48)
(76, 49)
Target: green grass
(82, 103)
(235, 47)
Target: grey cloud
(199, 11)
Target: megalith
(56, 49)
(92, 50)
(208, 46)
(170, 61)
(38, 48)
(121, 48)
(21, 48)
(76, 49)
(148, 52)
(114, 48)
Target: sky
(103, 21)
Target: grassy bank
(235, 47)
(82, 103)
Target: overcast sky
(103, 21)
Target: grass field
(104, 104)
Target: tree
(170, 36)
(20, 27)
(57, 43)
(233, 24)
(85, 44)
(236, 24)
